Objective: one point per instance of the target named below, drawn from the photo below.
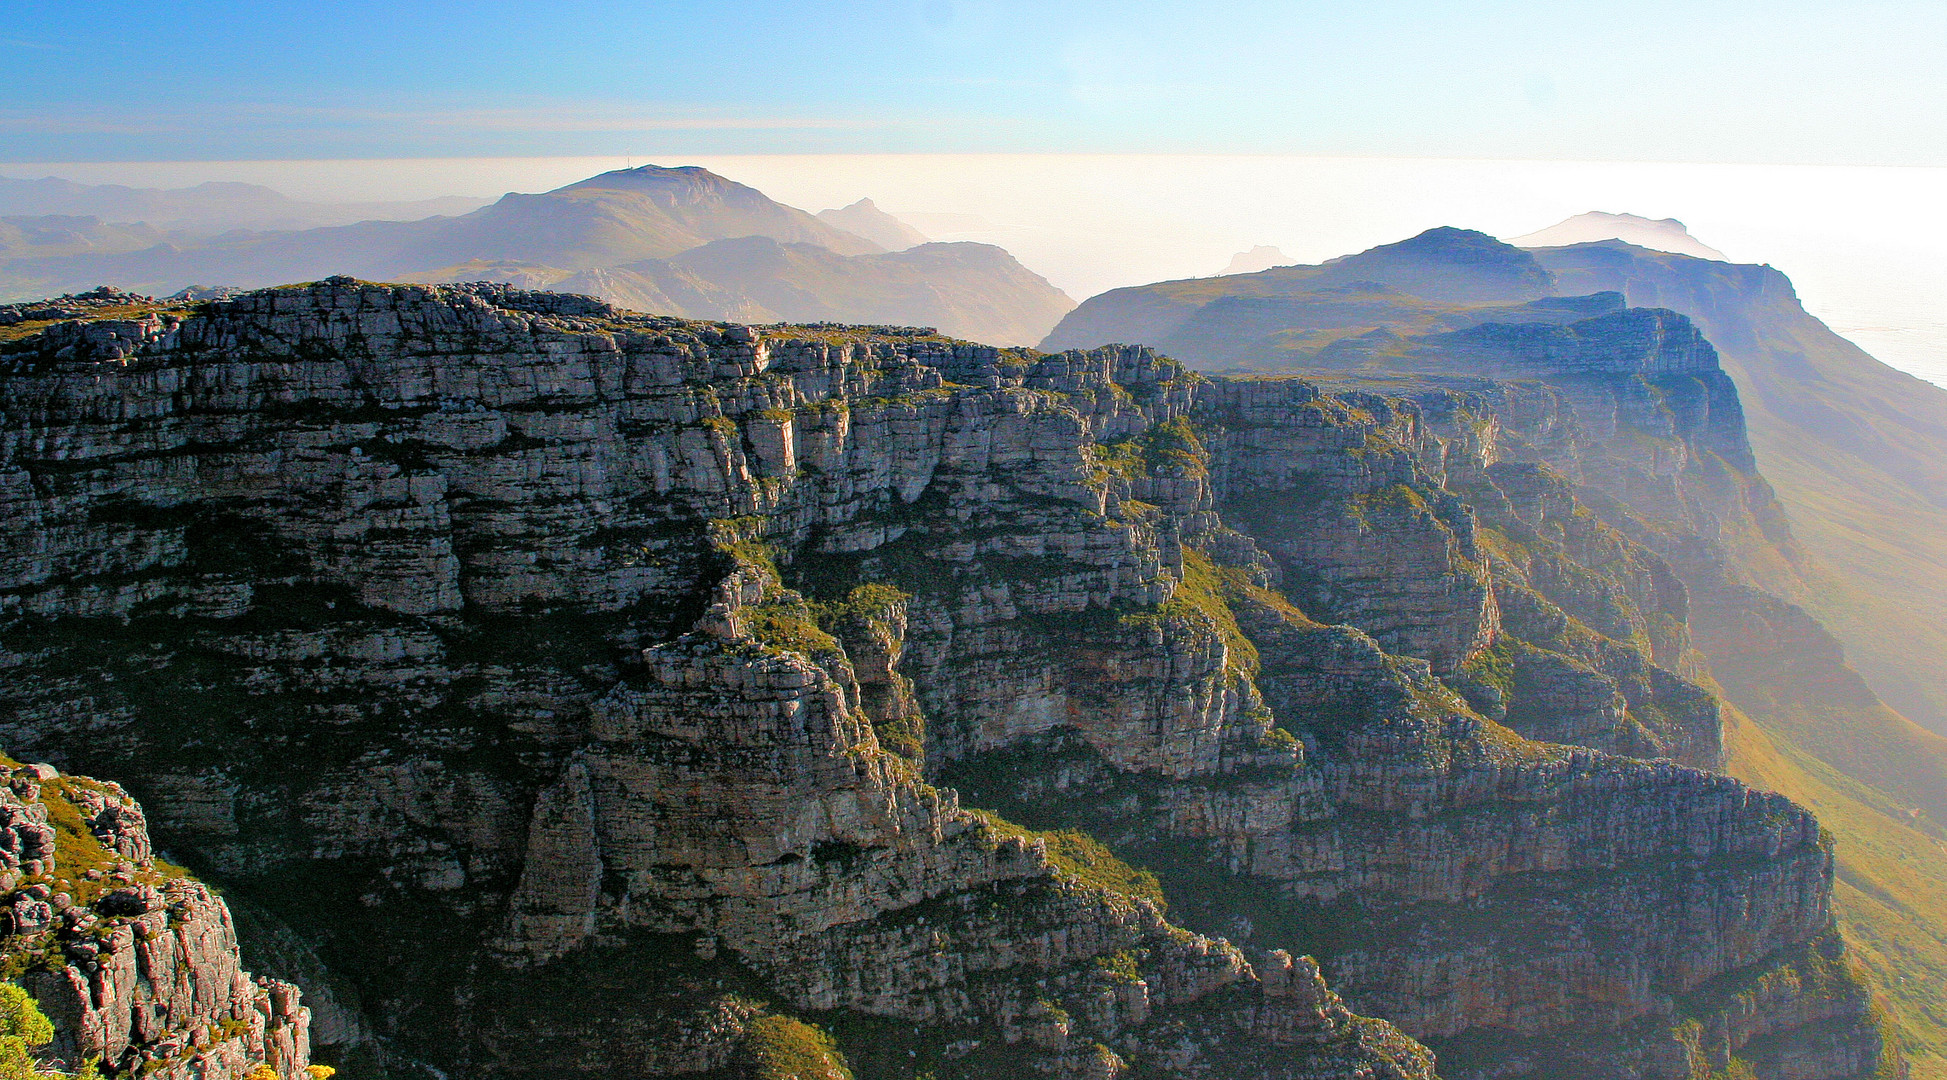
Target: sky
(1705, 80)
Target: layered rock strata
(606, 635)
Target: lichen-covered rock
(137, 966)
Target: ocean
(1866, 246)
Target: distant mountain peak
(1448, 240)
(1446, 264)
(1261, 257)
(864, 218)
(657, 178)
(1657, 234)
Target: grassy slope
(1826, 710)
(1892, 890)
(1882, 585)
(1863, 474)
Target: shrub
(22, 1027)
(781, 1048)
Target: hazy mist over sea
(1866, 246)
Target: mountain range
(1447, 682)
(1826, 632)
(608, 228)
(205, 209)
(968, 290)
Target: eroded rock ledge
(136, 964)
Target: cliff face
(1854, 447)
(136, 965)
(612, 644)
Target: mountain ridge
(653, 640)
(1667, 234)
(1852, 448)
(207, 208)
(615, 217)
(623, 234)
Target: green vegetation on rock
(1081, 858)
(780, 1048)
(23, 1028)
(1201, 595)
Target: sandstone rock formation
(136, 965)
(623, 662)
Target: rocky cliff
(136, 964)
(1854, 447)
(1663, 434)
(665, 692)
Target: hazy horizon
(1865, 245)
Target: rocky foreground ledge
(136, 964)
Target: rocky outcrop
(736, 790)
(137, 966)
(618, 644)
(1635, 341)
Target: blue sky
(1701, 81)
